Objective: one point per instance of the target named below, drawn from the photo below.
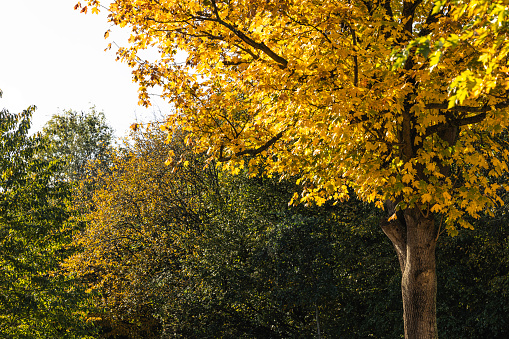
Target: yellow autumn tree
(400, 100)
(141, 219)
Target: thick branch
(408, 14)
(355, 61)
(454, 123)
(409, 7)
(396, 231)
(470, 120)
(468, 109)
(462, 121)
(251, 152)
(260, 46)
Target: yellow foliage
(137, 218)
(396, 104)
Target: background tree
(182, 251)
(35, 232)
(76, 138)
(343, 94)
(140, 217)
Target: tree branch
(454, 123)
(431, 19)
(356, 63)
(410, 7)
(260, 46)
(468, 109)
(235, 63)
(251, 152)
(313, 26)
(396, 231)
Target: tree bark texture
(413, 235)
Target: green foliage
(474, 272)
(271, 270)
(35, 231)
(75, 139)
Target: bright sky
(53, 57)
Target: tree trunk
(414, 237)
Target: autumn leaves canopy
(400, 100)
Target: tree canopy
(35, 233)
(75, 139)
(392, 93)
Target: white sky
(53, 57)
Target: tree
(76, 139)
(182, 251)
(140, 217)
(399, 100)
(35, 231)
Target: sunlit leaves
(75, 139)
(342, 94)
(140, 217)
(35, 232)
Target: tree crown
(400, 100)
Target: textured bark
(414, 238)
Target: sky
(53, 57)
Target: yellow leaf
(426, 198)
(407, 178)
